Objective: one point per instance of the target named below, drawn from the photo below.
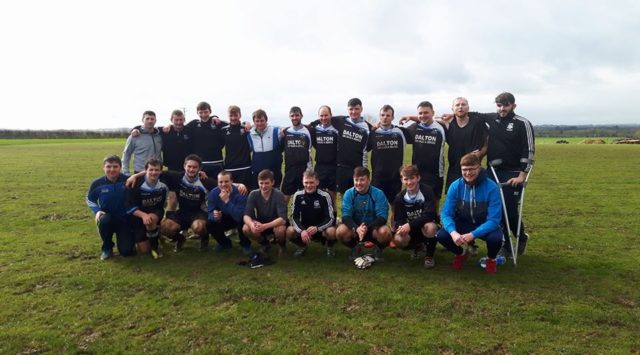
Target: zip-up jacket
(237, 149)
(478, 204)
(370, 208)
(234, 208)
(143, 147)
(511, 140)
(207, 139)
(312, 210)
(108, 196)
(267, 150)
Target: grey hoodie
(143, 147)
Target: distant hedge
(63, 133)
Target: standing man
(176, 142)
(226, 207)
(324, 137)
(266, 214)
(428, 138)
(266, 147)
(472, 210)
(312, 216)
(364, 215)
(387, 144)
(106, 198)
(511, 150)
(145, 203)
(143, 147)
(353, 134)
(297, 153)
(237, 158)
(414, 216)
(208, 140)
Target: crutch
(514, 246)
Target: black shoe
(179, 243)
(522, 243)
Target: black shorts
(390, 187)
(185, 219)
(434, 182)
(327, 176)
(292, 180)
(139, 230)
(244, 176)
(344, 178)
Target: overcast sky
(87, 64)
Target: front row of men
(472, 210)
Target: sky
(85, 65)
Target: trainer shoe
(429, 263)
(459, 260)
(221, 247)
(378, 254)
(473, 248)
(331, 252)
(155, 254)
(106, 254)
(369, 244)
(355, 252)
(522, 243)
(179, 243)
(300, 252)
(491, 266)
(256, 261)
(415, 254)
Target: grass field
(575, 291)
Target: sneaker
(378, 254)
(106, 254)
(491, 266)
(331, 252)
(415, 254)
(429, 263)
(459, 260)
(522, 243)
(355, 252)
(473, 248)
(246, 250)
(155, 254)
(369, 245)
(179, 243)
(256, 261)
(300, 252)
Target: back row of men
(342, 143)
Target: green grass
(576, 290)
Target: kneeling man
(312, 216)
(472, 209)
(364, 215)
(414, 216)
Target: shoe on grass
(355, 252)
(331, 252)
(378, 254)
(459, 260)
(221, 247)
(491, 266)
(429, 263)
(106, 254)
(300, 252)
(179, 243)
(522, 243)
(155, 254)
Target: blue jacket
(234, 208)
(108, 196)
(479, 205)
(370, 208)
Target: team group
(209, 194)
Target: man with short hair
(237, 158)
(364, 215)
(266, 147)
(511, 149)
(472, 210)
(266, 213)
(296, 142)
(428, 138)
(324, 137)
(414, 216)
(226, 207)
(143, 147)
(145, 204)
(312, 216)
(106, 198)
(176, 143)
(208, 139)
(387, 144)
